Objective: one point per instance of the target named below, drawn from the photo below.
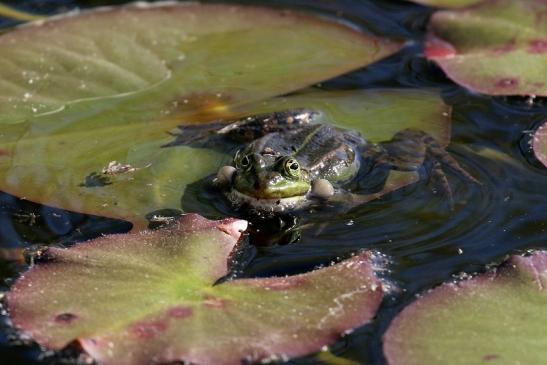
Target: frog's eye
(242, 162)
(292, 167)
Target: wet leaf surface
(73, 102)
(498, 47)
(150, 297)
(68, 166)
(539, 144)
(498, 317)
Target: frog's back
(323, 150)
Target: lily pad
(74, 102)
(151, 297)
(539, 144)
(495, 318)
(498, 47)
(448, 3)
(62, 165)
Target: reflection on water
(425, 241)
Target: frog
(290, 161)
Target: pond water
(424, 243)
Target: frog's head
(269, 175)
(269, 181)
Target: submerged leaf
(539, 144)
(498, 47)
(498, 317)
(150, 297)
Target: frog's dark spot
(214, 302)
(147, 330)
(4, 153)
(507, 82)
(65, 318)
(95, 180)
(490, 357)
(537, 46)
(179, 312)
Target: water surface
(424, 243)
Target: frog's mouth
(277, 205)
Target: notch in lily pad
(495, 318)
(150, 297)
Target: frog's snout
(267, 180)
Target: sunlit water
(424, 242)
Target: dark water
(424, 242)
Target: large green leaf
(539, 144)
(150, 297)
(78, 93)
(498, 47)
(173, 53)
(495, 318)
(47, 160)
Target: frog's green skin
(288, 162)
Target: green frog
(287, 161)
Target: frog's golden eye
(292, 167)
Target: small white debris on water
(115, 168)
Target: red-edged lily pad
(539, 144)
(498, 47)
(495, 318)
(150, 297)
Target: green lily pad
(495, 318)
(185, 53)
(62, 165)
(539, 144)
(448, 3)
(150, 297)
(75, 102)
(498, 47)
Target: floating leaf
(197, 55)
(497, 47)
(495, 318)
(539, 144)
(64, 166)
(150, 297)
(448, 3)
(74, 101)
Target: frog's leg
(242, 130)
(411, 149)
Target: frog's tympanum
(289, 162)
